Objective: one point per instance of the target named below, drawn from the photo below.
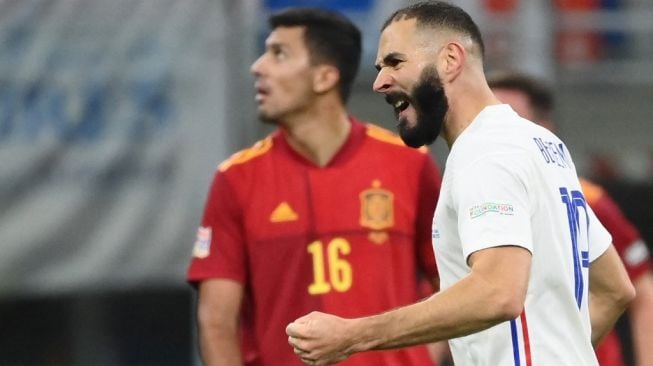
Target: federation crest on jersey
(377, 211)
(202, 246)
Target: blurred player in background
(533, 100)
(528, 273)
(327, 213)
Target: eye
(277, 52)
(393, 60)
(394, 63)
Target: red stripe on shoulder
(243, 156)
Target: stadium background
(114, 115)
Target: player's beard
(431, 107)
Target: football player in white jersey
(528, 274)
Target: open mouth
(260, 94)
(399, 101)
(400, 105)
(261, 90)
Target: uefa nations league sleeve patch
(202, 246)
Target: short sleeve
(219, 250)
(599, 238)
(492, 204)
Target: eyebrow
(391, 58)
(275, 45)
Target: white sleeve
(599, 237)
(492, 204)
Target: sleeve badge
(202, 246)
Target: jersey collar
(354, 140)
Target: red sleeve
(625, 237)
(429, 191)
(219, 250)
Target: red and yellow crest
(377, 207)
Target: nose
(256, 67)
(383, 82)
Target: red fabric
(609, 353)
(339, 231)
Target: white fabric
(504, 185)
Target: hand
(319, 338)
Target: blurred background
(114, 115)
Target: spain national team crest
(377, 211)
(202, 246)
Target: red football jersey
(631, 249)
(348, 239)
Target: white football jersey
(509, 181)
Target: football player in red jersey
(327, 213)
(533, 100)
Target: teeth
(400, 104)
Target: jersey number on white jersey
(579, 230)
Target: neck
(467, 100)
(319, 132)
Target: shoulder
(592, 191)
(513, 138)
(482, 157)
(387, 137)
(260, 148)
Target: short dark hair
(439, 14)
(330, 38)
(539, 93)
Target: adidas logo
(283, 213)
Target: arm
(641, 319)
(438, 351)
(610, 291)
(218, 312)
(493, 292)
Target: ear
(453, 58)
(325, 78)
